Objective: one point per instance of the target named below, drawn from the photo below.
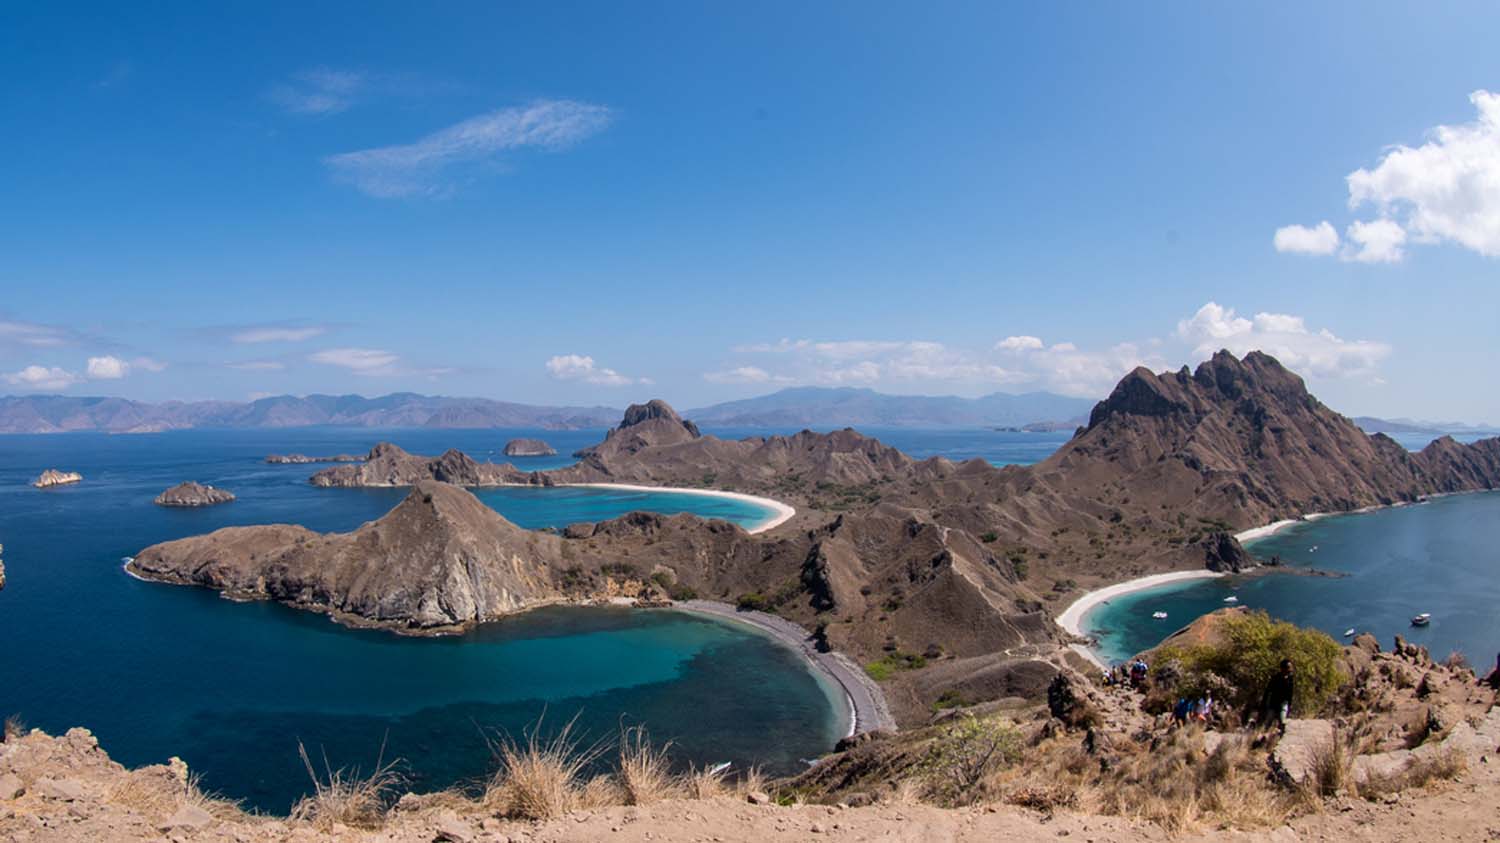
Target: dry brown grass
(540, 779)
(15, 727)
(706, 783)
(754, 781)
(156, 793)
(1172, 782)
(345, 796)
(1332, 773)
(645, 771)
(1425, 772)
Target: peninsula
(949, 573)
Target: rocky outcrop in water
(53, 477)
(193, 494)
(389, 465)
(303, 459)
(529, 448)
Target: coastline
(866, 703)
(780, 512)
(1072, 617)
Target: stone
(66, 790)
(451, 829)
(756, 797)
(581, 530)
(189, 818)
(1294, 759)
(10, 786)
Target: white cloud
(318, 91)
(107, 368)
(1021, 343)
(1283, 336)
(581, 367)
(416, 168)
(1065, 368)
(360, 361)
(149, 364)
(257, 365)
(1379, 241)
(745, 374)
(43, 378)
(1321, 239)
(276, 333)
(1446, 190)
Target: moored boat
(1422, 620)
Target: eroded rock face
(529, 448)
(53, 477)
(441, 558)
(193, 494)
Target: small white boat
(1422, 620)
(719, 769)
(1231, 599)
(127, 559)
(1312, 549)
(1349, 633)
(1159, 615)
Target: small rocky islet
(192, 494)
(53, 477)
(529, 448)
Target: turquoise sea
(158, 670)
(1441, 557)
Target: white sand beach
(780, 512)
(1072, 618)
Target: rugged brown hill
(441, 558)
(389, 465)
(1243, 442)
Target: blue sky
(597, 203)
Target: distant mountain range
(59, 414)
(851, 407)
(1372, 425)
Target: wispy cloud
(581, 367)
(276, 333)
(257, 365)
(320, 90)
(418, 168)
(13, 332)
(745, 374)
(360, 361)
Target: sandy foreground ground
(70, 792)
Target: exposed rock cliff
(53, 477)
(528, 448)
(441, 558)
(193, 494)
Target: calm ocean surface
(1440, 557)
(157, 670)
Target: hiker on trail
(1204, 710)
(1180, 711)
(1277, 703)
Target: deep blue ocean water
(1439, 557)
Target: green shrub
(892, 662)
(990, 537)
(1246, 658)
(753, 601)
(964, 753)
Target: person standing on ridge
(1277, 703)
